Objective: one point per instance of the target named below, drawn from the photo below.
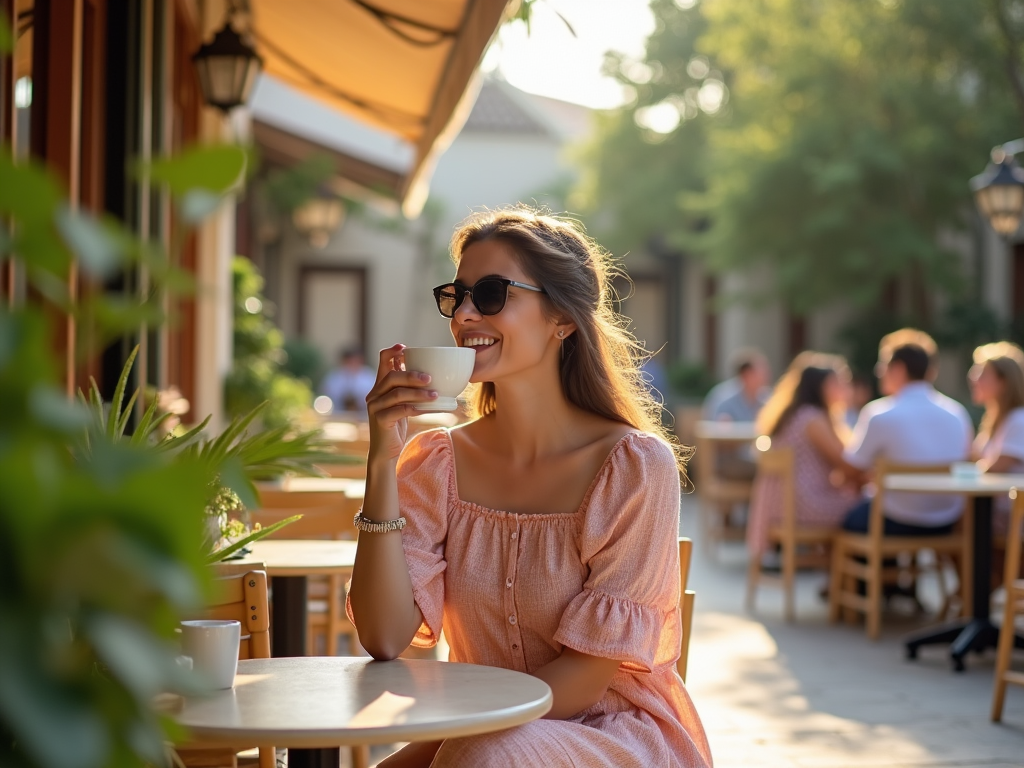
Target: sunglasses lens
(489, 296)
(448, 299)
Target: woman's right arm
(821, 434)
(386, 615)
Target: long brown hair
(801, 384)
(1007, 360)
(600, 365)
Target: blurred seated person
(913, 424)
(862, 392)
(805, 414)
(350, 382)
(740, 397)
(997, 383)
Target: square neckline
(453, 483)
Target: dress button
(512, 619)
(515, 534)
(508, 583)
(515, 646)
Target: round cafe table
(975, 632)
(323, 703)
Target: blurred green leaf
(6, 38)
(27, 193)
(214, 169)
(197, 204)
(53, 409)
(98, 250)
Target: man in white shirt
(916, 425)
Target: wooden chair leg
(835, 582)
(360, 756)
(268, 757)
(874, 595)
(335, 595)
(1003, 654)
(753, 578)
(789, 578)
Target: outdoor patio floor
(776, 695)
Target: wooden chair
(860, 556)
(324, 516)
(790, 537)
(1014, 608)
(240, 593)
(686, 597)
(718, 495)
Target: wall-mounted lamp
(227, 68)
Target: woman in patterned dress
(541, 535)
(997, 383)
(805, 413)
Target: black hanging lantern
(227, 69)
(999, 193)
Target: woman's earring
(561, 344)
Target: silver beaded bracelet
(369, 526)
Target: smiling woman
(544, 532)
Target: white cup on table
(965, 470)
(213, 646)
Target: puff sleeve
(629, 606)
(424, 474)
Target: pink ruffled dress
(512, 590)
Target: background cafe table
(976, 632)
(288, 563)
(323, 703)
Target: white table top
(982, 485)
(321, 702)
(354, 488)
(302, 557)
(739, 431)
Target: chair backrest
(779, 463)
(331, 521)
(240, 593)
(686, 598)
(883, 467)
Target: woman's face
(986, 386)
(520, 336)
(835, 392)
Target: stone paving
(813, 695)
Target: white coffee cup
(449, 369)
(965, 470)
(213, 646)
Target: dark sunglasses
(488, 295)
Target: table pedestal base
(288, 636)
(314, 758)
(964, 635)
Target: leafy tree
(832, 140)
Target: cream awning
(407, 66)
